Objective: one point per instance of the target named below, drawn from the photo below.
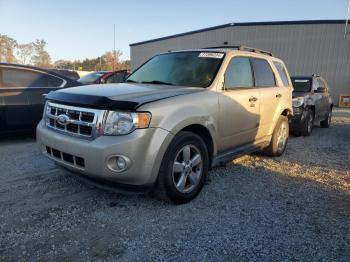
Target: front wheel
(327, 122)
(306, 128)
(184, 169)
(279, 138)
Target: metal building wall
(305, 48)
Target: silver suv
(177, 116)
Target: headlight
(47, 109)
(122, 123)
(298, 101)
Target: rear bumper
(144, 147)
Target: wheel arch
(205, 134)
(312, 107)
(286, 112)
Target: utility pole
(114, 53)
(346, 22)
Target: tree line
(35, 54)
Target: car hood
(123, 96)
(299, 94)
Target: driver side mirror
(320, 89)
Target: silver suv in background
(312, 103)
(178, 115)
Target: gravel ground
(295, 207)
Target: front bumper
(297, 120)
(144, 147)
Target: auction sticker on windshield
(211, 55)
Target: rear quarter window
(54, 81)
(282, 72)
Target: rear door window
(282, 72)
(263, 73)
(239, 73)
(12, 77)
(116, 78)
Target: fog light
(118, 163)
(121, 163)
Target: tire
(182, 185)
(307, 126)
(327, 122)
(296, 133)
(277, 146)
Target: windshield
(302, 84)
(90, 78)
(192, 69)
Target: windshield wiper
(131, 81)
(156, 82)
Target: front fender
(178, 113)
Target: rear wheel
(308, 125)
(327, 122)
(184, 169)
(279, 138)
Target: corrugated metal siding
(305, 48)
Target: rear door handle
(253, 99)
(278, 95)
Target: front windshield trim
(180, 52)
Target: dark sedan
(22, 94)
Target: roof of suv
(307, 76)
(227, 49)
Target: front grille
(65, 157)
(85, 130)
(73, 128)
(78, 121)
(88, 117)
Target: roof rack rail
(243, 48)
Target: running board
(228, 156)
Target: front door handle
(278, 95)
(253, 99)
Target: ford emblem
(63, 120)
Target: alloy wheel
(282, 136)
(187, 168)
